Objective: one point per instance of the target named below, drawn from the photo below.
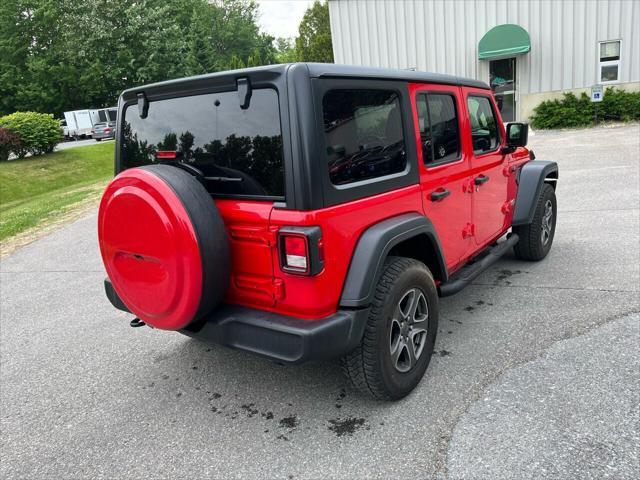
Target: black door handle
(481, 179)
(440, 194)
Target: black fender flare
(372, 249)
(531, 177)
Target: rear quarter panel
(342, 225)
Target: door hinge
(268, 290)
(469, 230)
(507, 207)
(468, 186)
(272, 236)
(254, 234)
(278, 288)
(509, 170)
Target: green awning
(504, 41)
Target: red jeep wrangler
(309, 211)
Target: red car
(310, 211)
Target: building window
(609, 64)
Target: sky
(281, 18)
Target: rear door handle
(440, 194)
(481, 179)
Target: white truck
(80, 122)
(104, 115)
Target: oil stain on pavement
(346, 426)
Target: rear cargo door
(236, 151)
(252, 244)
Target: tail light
(296, 252)
(301, 250)
(107, 130)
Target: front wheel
(400, 333)
(537, 237)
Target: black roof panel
(318, 70)
(352, 71)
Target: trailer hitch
(136, 322)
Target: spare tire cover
(164, 245)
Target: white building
(528, 50)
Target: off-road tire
(370, 366)
(531, 246)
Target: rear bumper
(283, 338)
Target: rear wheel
(537, 237)
(400, 332)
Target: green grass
(37, 190)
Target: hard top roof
(324, 70)
(352, 71)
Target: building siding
(442, 36)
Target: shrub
(39, 132)
(9, 142)
(574, 111)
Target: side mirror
(338, 150)
(517, 134)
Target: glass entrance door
(502, 78)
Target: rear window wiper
(173, 157)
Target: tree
(169, 143)
(314, 41)
(14, 48)
(58, 55)
(285, 50)
(186, 143)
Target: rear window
(364, 136)
(238, 151)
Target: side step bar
(469, 272)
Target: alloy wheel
(547, 223)
(408, 335)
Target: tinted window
(238, 151)
(438, 128)
(484, 127)
(364, 138)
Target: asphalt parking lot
(536, 370)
